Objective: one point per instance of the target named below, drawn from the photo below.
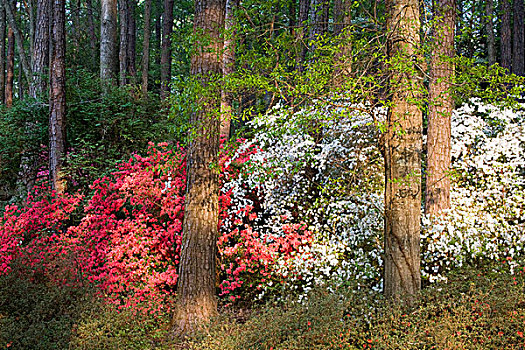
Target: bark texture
(228, 64)
(518, 40)
(123, 47)
(403, 147)
(40, 54)
(91, 32)
(132, 41)
(441, 105)
(2, 51)
(196, 285)
(108, 41)
(506, 36)
(165, 56)
(489, 28)
(57, 97)
(145, 46)
(304, 10)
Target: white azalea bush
(487, 216)
(329, 175)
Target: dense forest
(281, 174)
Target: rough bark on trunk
(132, 41)
(403, 147)
(2, 51)
(196, 285)
(10, 75)
(506, 36)
(342, 20)
(57, 97)
(145, 46)
(518, 39)
(228, 62)
(165, 57)
(441, 105)
(123, 47)
(108, 41)
(489, 27)
(40, 54)
(91, 31)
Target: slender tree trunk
(57, 97)
(132, 40)
(342, 20)
(2, 51)
(403, 147)
(518, 50)
(228, 63)
(40, 54)
(491, 46)
(91, 32)
(145, 46)
(10, 77)
(304, 10)
(196, 285)
(440, 109)
(10, 10)
(123, 51)
(506, 36)
(108, 41)
(165, 58)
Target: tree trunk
(10, 11)
(145, 46)
(123, 51)
(40, 54)
(108, 41)
(304, 10)
(91, 31)
(441, 105)
(491, 46)
(403, 147)
(506, 36)
(228, 63)
(57, 97)
(518, 61)
(196, 285)
(132, 41)
(165, 57)
(342, 20)
(10, 76)
(2, 51)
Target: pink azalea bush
(126, 242)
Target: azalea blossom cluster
(487, 216)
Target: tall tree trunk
(518, 50)
(318, 16)
(123, 51)
(2, 51)
(506, 36)
(40, 54)
(91, 32)
(304, 10)
(145, 46)
(196, 285)
(165, 57)
(403, 147)
(10, 76)
(440, 110)
(132, 40)
(10, 11)
(108, 41)
(57, 97)
(228, 63)
(491, 46)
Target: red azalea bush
(127, 243)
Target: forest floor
(478, 308)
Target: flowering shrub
(487, 216)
